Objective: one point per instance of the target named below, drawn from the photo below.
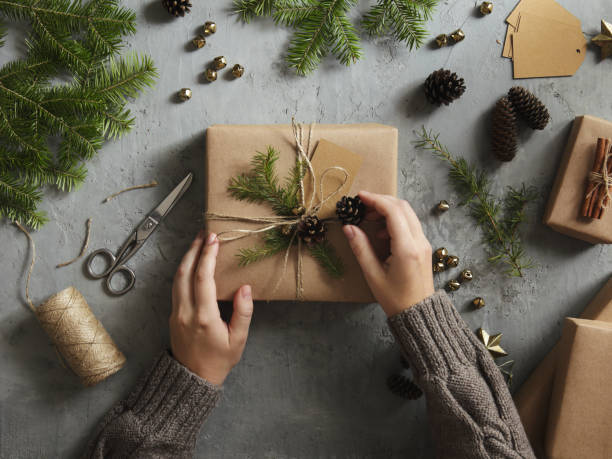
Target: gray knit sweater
(470, 410)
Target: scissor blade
(164, 207)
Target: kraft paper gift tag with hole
(328, 155)
(546, 48)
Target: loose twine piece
(83, 249)
(79, 338)
(130, 188)
(303, 157)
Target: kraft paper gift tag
(546, 48)
(329, 155)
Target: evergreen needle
(501, 233)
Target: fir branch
(500, 233)
(290, 13)
(248, 9)
(404, 20)
(261, 184)
(274, 241)
(328, 259)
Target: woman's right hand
(405, 277)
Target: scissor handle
(111, 263)
(131, 278)
(110, 271)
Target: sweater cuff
(172, 400)
(434, 337)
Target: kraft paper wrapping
(533, 399)
(579, 422)
(567, 195)
(230, 149)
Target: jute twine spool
(80, 339)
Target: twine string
(303, 157)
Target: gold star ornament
(491, 342)
(604, 39)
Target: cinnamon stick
(590, 198)
(602, 199)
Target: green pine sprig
(499, 220)
(80, 39)
(404, 20)
(322, 26)
(262, 185)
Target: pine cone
(350, 211)
(311, 229)
(442, 87)
(529, 107)
(177, 7)
(403, 386)
(504, 130)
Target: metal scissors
(116, 264)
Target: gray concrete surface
(312, 380)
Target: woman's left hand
(199, 338)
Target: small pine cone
(311, 229)
(403, 386)
(443, 87)
(529, 107)
(504, 130)
(350, 211)
(177, 7)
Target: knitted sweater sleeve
(470, 410)
(160, 418)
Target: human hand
(406, 276)
(199, 338)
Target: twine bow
(303, 157)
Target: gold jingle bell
(209, 28)
(219, 63)
(452, 261)
(442, 206)
(457, 35)
(486, 8)
(453, 285)
(237, 70)
(211, 75)
(286, 229)
(440, 253)
(442, 40)
(465, 276)
(185, 94)
(478, 303)
(199, 41)
(439, 266)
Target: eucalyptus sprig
(261, 184)
(499, 220)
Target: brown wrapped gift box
(579, 422)
(229, 150)
(562, 213)
(533, 399)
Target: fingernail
(349, 231)
(246, 292)
(212, 237)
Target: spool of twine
(79, 337)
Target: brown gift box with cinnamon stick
(229, 151)
(577, 202)
(579, 422)
(533, 398)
